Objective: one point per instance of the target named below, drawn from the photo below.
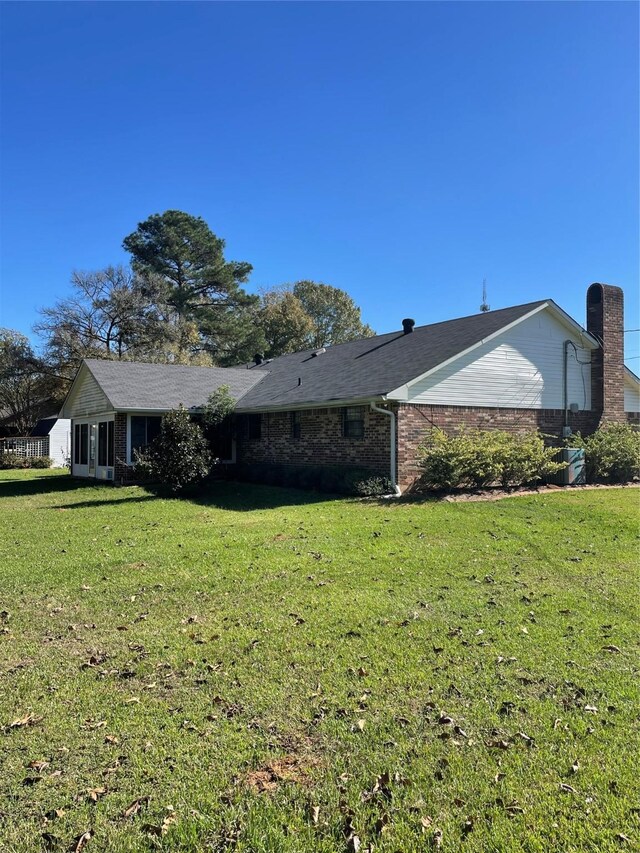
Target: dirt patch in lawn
(286, 769)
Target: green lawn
(270, 670)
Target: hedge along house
(369, 403)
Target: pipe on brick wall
(392, 448)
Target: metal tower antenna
(484, 307)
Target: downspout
(565, 381)
(392, 446)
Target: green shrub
(13, 461)
(219, 406)
(40, 462)
(179, 457)
(479, 458)
(368, 484)
(612, 453)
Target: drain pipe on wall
(392, 449)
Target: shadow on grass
(237, 496)
(229, 495)
(114, 501)
(39, 486)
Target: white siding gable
(631, 394)
(520, 369)
(60, 442)
(86, 397)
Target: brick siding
(121, 472)
(321, 440)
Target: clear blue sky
(401, 151)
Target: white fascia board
(95, 417)
(402, 392)
(590, 341)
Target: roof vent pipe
(407, 326)
(258, 358)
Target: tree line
(178, 301)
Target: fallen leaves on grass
(80, 841)
(160, 830)
(23, 722)
(135, 807)
(94, 794)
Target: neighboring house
(369, 403)
(50, 437)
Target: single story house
(368, 403)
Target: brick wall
(321, 440)
(605, 320)
(121, 472)
(414, 421)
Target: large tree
(25, 392)
(199, 284)
(285, 324)
(111, 313)
(335, 316)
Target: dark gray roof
(44, 426)
(137, 385)
(364, 369)
(371, 367)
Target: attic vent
(407, 326)
(318, 352)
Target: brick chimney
(605, 321)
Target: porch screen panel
(110, 447)
(102, 444)
(84, 444)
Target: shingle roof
(137, 385)
(371, 367)
(364, 369)
(43, 427)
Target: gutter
(392, 447)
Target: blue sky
(401, 151)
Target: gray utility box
(574, 474)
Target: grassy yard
(268, 670)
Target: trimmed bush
(179, 457)
(612, 453)
(13, 461)
(480, 458)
